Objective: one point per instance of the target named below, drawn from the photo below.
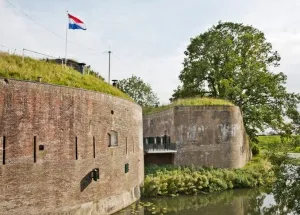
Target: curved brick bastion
(204, 135)
(51, 140)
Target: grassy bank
(276, 143)
(188, 102)
(11, 66)
(172, 181)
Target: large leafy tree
(140, 91)
(234, 61)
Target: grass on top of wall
(198, 101)
(11, 66)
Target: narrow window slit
(76, 149)
(3, 149)
(94, 147)
(34, 149)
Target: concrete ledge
(160, 151)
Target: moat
(234, 202)
(281, 198)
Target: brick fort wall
(52, 137)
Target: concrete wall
(205, 135)
(156, 124)
(57, 183)
(159, 158)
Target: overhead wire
(54, 33)
(45, 28)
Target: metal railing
(160, 147)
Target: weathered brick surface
(205, 135)
(56, 116)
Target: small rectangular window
(126, 167)
(41, 147)
(112, 138)
(34, 149)
(3, 149)
(76, 149)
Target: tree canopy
(233, 61)
(140, 91)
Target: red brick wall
(56, 116)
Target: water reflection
(286, 191)
(233, 202)
(282, 198)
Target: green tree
(140, 91)
(234, 61)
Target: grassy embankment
(188, 102)
(11, 66)
(275, 143)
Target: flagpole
(66, 39)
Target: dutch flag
(75, 23)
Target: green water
(232, 202)
(282, 198)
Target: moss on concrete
(200, 101)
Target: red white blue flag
(75, 23)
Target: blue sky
(147, 37)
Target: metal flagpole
(109, 52)
(66, 39)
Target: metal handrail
(160, 146)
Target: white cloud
(147, 38)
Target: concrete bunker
(212, 136)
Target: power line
(45, 28)
(8, 48)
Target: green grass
(188, 102)
(276, 143)
(11, 66)
(269, 139)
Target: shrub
(297, 149)
(255, 150)
(172, 181)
